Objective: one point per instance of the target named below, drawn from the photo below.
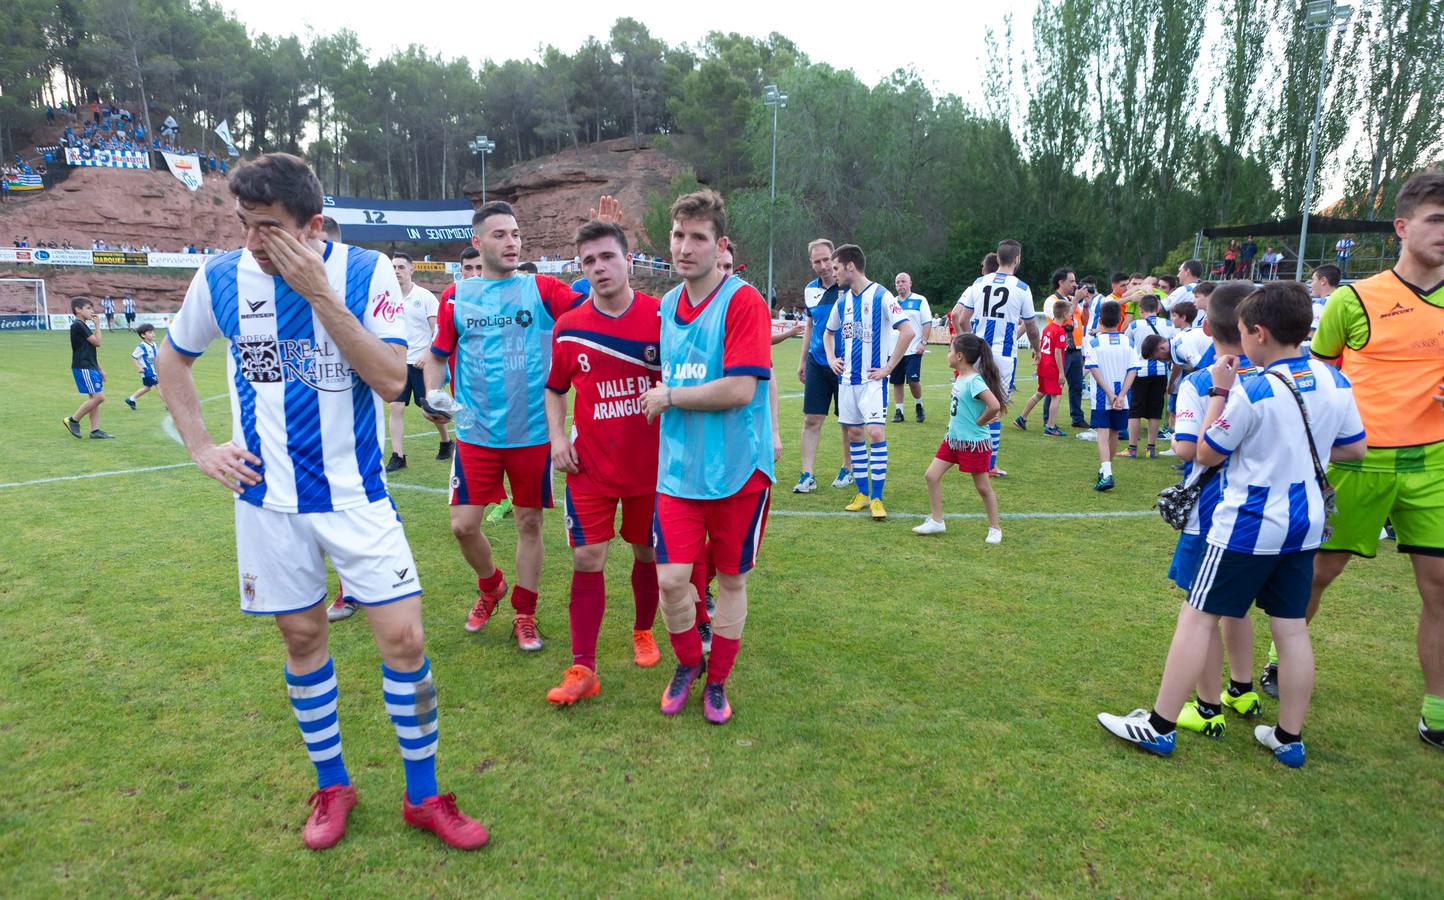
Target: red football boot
(327, 823)
(440, 816)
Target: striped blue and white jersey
(1180, 293)
(867, 322)
(1141, 328)
(1000, 302)
(1110, 354)
(1271, 501)
(295, 401)
(916, 310)
(1192, 406)
(1192, 348)
(144, 353)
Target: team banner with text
(113, 159)
(186, 169)
(364, 220)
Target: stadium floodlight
(1318, 14)
(481, 147)
(774, 98)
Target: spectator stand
(1375, 245)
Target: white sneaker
(1291, 755)
(995, 536)
(805, 485)
(1089, 435)
(930, 526)
(1166, 453)
(844, 479)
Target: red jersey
(612, 362)
(1054, 337)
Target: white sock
(1107, 470)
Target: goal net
(24, 297)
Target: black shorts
(130, 318)
(415, 387)
(820, 391)
(1146, 397)
(909, 369)
(1229, 582)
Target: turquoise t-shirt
(963, 425)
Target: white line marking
(16, 484)
(861, 516)
(168, 424)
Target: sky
(949, 55)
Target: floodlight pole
(777, 100)
(481, 147)
(1336, 14)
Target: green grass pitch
(914, 715)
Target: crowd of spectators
(114, 246)
(115, 129)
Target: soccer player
(874, 335)
(1113, 363)
(1190, 271)
(1323, 281)
(1050, 365)
(497, 331)
(994, 306)
(1118, 287)
(143, 356)
(1150, 388)
(715, 464)
(108, 305)
(1382, 332)
(608, 350)
(128, 306)
(85, 367)
(315, 344)
(418, 313)
(819, 382)
(1205, 714)
(910, 371)
(1270, 520)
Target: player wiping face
(269, 231)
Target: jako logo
(384, 308)
(688, 371)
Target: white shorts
(862, 404)
(1007, 369)
(281, 557)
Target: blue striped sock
(995, 436)
(313, 700)
(859, 465)
(879, 468)
(411, 703)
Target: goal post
(20, 297)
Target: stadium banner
(434, 267)
(112, 159)
(363, 219)
(26, 182)
(119, 258)
(23, 322)
(62, 322)
(177, 260)
(45, 256)
(186, 169)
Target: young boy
(1113, 363)
(143, 356)
(1150, 388)
(85, 366)
(1270, 520)
(1205, 715)
(1050, 368)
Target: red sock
(588, 603)
(699, 581)
(644, 594)
(687, 645)
(490, 582)
(523, 600)
(720, 660)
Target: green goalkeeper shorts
(1412, 501)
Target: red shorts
(592, 518)
(730, 529)
(971, 458)
(1048, 382)
(476, 474)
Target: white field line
(58, 478)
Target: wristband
(669, 397)
(1217, 391)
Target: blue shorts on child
(1112, 419)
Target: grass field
(913, 715)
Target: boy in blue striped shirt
(143, 356)
(1270, 520)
